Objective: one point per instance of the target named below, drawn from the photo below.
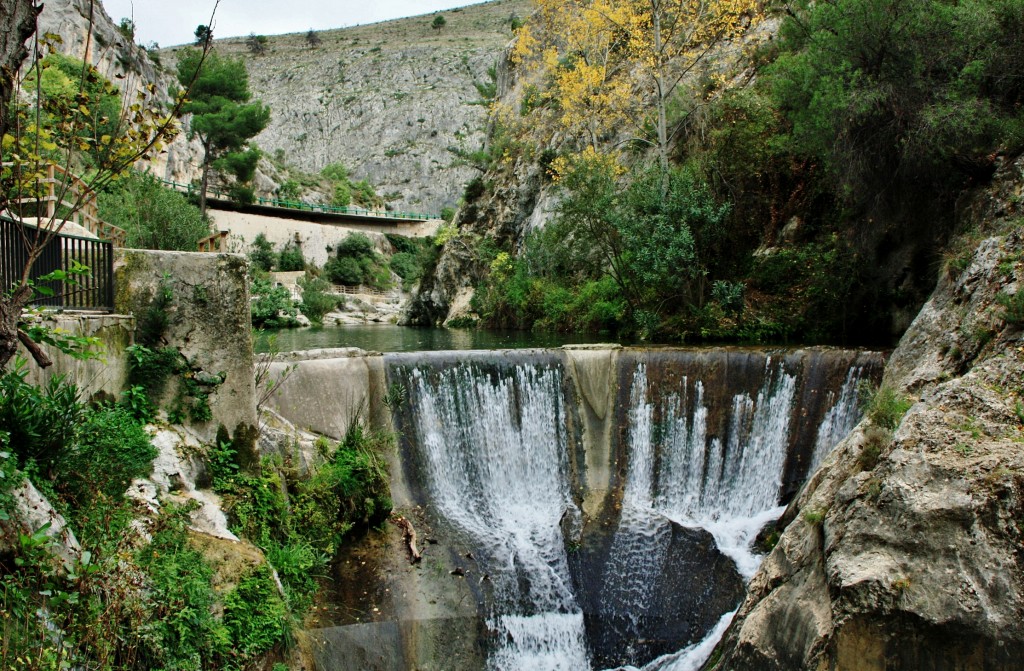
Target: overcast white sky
(171, 22)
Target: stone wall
(105, 375)
(313, 238)
(207, 321)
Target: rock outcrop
(905, 552)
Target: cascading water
(840, 418)
(493, 449)
(704, 445)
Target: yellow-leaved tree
(610, 63)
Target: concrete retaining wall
(105, 375)
(312, 237)
(207, 321)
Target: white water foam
(729, 489)
(494, 452)
(692, 657)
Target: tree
(257, 44)
(34, 140)
(222, 117)
(439, 22)
(204, 35)
(598, 54)
(648, 241)
(883, 92)
(313, 39)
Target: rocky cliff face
(395, 102)
(505, 213)
(121, 61)
(906, 552)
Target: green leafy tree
(313, 39)
(223, 118)
(154, 216)
(40, 133)
(60, 90)
(316, 301)
(439, 22)
(648, 241)
(901, 90)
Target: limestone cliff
(910, 557)
(395, 102)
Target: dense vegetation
(354, 262)
(153, 216)
(124, 603)
(809, 190)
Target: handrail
(92, 291)
(218, 242)
(77, 197)
(351, 290)
(310, 207)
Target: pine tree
(222, 117)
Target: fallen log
(409, 535)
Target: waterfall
(840, 419)
(703, 443)
(493, 445)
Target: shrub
(271, 305)
(344, 270)
(40, 422)
(474, 189)
(153, 215)
(355, 245)
(884, 406)
(262, 254)
(113, 450)
(342, 194)
(335, 172)
(183, 628)
(290, 259)
(316, 302)
(1013, 307)
(364, 194)
(406, 266)
(254, 613)
(290, 190)
(242, 194)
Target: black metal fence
(93, 290)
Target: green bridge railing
(309, 207)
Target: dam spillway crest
(602, 504)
